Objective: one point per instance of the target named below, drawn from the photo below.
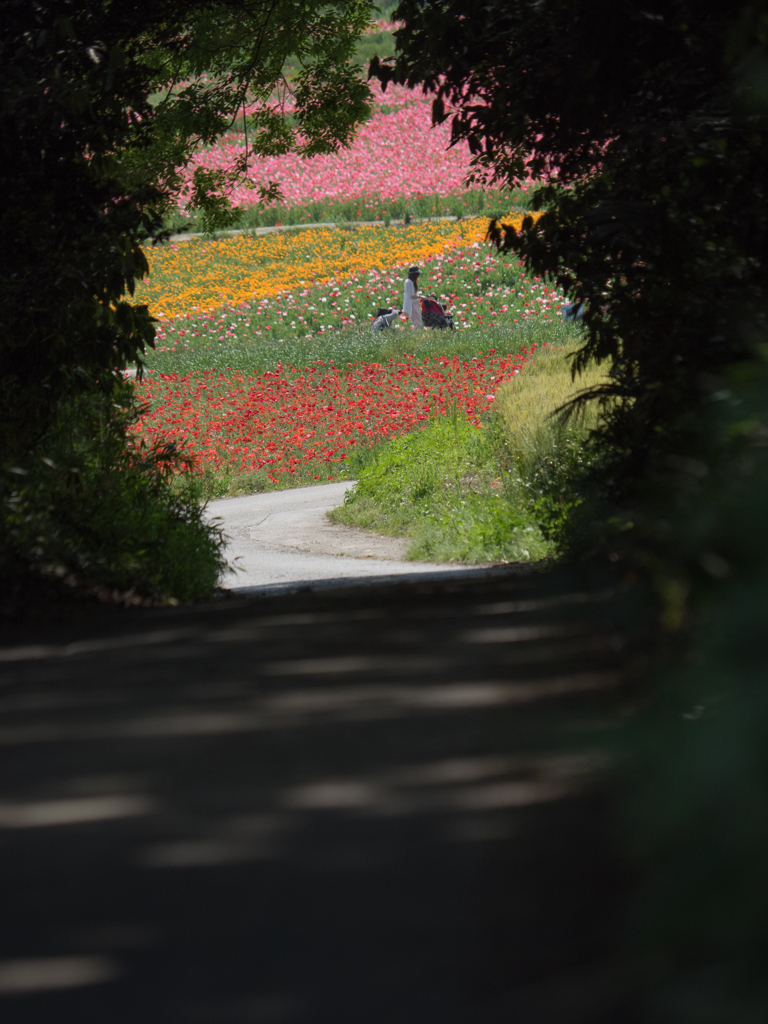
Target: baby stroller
(385, 318)
(434, 314)
(573, 311)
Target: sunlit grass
(497, 494)
(441, 488)
(528, 404)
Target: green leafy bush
(440, 487)
(90, 506)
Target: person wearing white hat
(411, 304)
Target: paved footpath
(369, 805)
(283, 540)
(281, 228)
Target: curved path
(283, 540)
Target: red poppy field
(290, 383)
(302, 425)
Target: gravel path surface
(283, 540)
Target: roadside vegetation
(443, 488)
(108, 515)
(98, 162)
(544, 421)
(495, 491)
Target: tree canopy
(643, 123)
(102, 106)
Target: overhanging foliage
(101, 107)
(644, 125)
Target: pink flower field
(395, 154)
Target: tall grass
(541, 435)
(529, 404)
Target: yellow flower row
(202, 274)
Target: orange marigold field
(204, 274)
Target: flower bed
(346, 388)
(396, 153)
(307, 422)
(302, 283)
(202, 274)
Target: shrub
(440, 488)
(93, 507)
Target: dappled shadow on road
(381, 806)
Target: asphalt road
(283, 540)
(368, 805)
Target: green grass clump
(500, 493)
(224, 483)
(439, 487)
